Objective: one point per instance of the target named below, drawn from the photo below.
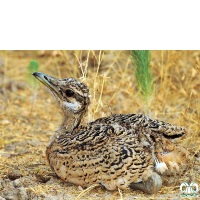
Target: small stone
(79, 188)
(51, 197)
(51, 181)
(22, 193)
(5, 154)
(43, 178)
(17, 183)
(11, 194)
(37, 198)
(148, 186)
(14, 174)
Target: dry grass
(110, 78)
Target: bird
(120, 151)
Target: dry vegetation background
(26, 125)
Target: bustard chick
(118, 151)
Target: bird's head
(71, 95)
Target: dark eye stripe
(69, 93)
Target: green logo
(189, 190)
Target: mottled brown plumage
(116, 151)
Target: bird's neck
(70, 122)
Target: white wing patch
(160, 167)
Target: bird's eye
(69, 93)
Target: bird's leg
(153, 184)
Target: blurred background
(29, 115)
